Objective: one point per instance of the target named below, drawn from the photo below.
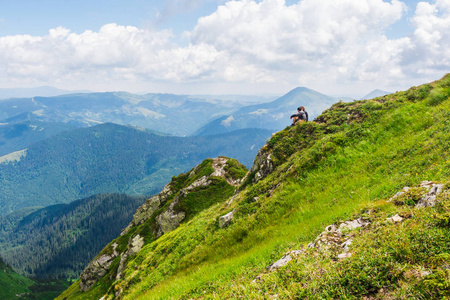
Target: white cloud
(316, 43)
(430, 51)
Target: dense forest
(59, 240)
(111, 158)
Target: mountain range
(110, 158)
(43, 91)
(172, 114)
(273, 115)
(376, 93)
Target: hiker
(302, 116)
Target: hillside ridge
(164, 212)
(341, 169)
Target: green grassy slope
(355, 157)
(11, 283)
(16, 286)
(211, 182)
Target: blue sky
(215, 46)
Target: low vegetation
(347, 164)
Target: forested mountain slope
(110, 158)
(340, 173)
(59, 240)
(19, 136)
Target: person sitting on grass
(301, 116)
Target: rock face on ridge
(262, 166)
(185, 196)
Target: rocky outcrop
(164, 222)
(145, 211)
(225, 220)
(340, 238)
(429, 199)
(97, 269)
(219, 171)
(284, 260)
(262, 166)
(135, 245)
(169, 219)
(428, 193)
(334, 237)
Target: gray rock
(97, 269)
(345, 245)
(146, 210)
(344, 255)
(284, 260)
(135, 245)
(262, 166)
(395, 219)
(170, 219)
(405, 189)
(225, 220)
(350, 225)
(429, 199)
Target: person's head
(301, 108)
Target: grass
(355, 157)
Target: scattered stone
(225, 220)
(395, 219)
(345, 245)
(344, 255)
(284, 260)
(332, 236)
(404, 190)
(350, 225)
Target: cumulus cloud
(309, 37)
(430, 45)
(312, 43)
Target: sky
(337, 47)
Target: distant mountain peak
(376, 93)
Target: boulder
(225, 220)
